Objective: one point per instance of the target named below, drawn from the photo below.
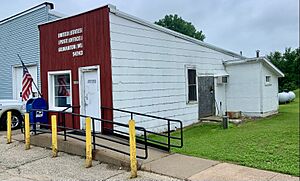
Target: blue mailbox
(37, 116)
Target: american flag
(62, 90)
(26, 84)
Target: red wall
(96, 48)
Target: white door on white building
(90, 96)
(17, 81)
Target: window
(224, 79)
(17, 72)
(60, 89)
(268, 80)
(192, 85)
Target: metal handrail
(95, 135)
(152, 141)
(64, 110)
(140, 114)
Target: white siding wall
(270, 92)
(243, 88)
(149, 75)
(248, 92)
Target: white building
(153, 70)
(252, 86)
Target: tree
(289, 64)
(176, 23)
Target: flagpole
(24, 66)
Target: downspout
(225, 99)
(48, 7)
(261, 88)
(47, 12)
(225, 90)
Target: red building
(76, 64)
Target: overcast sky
(236, 25)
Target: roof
(70, 16)
(264, 60)
(115, 11)
(51, 6)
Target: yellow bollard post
(27, 132)
(8, 122)
(88, 143)
(132, 142)
(54, 135)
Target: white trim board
(51, 89)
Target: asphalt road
(37, 164)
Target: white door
(90, 96)
(17, 81)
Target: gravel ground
(37, 164)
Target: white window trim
(193, 67)
(51, 89)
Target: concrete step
(218, 119)
(211, 119)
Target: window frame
(16, 95)
(51, 89)
(224, 78)
(187, 68)
(268, 83)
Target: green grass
(270, 143)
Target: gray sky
(236, 25)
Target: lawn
(270, 143)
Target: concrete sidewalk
(193, 168)
(173, 165)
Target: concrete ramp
(76, 147)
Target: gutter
(51, 5)
(254, 60)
